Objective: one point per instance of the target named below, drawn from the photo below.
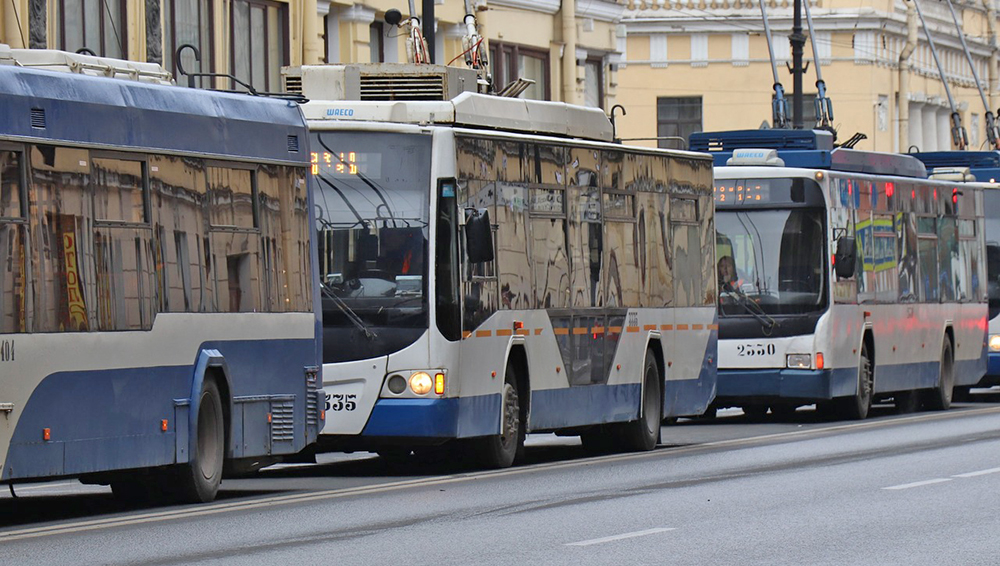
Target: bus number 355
(757, 349)
(341, 402)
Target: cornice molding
(600, 10)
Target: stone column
(355, 41)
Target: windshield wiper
(767, 323)
(349, 313)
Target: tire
(643, 434)
(906, 401)
(939, 398)
(856, 407)
(501, 450)
(199, 479)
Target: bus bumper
(992, 376)
(736, 385)
(435, 418)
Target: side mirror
(478, 235)
(846, 257)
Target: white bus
(982, 167)
(845, 276)
(158, 324)
(496, 266)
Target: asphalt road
(895, 489)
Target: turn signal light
(163, 425)
(439, 383)
(46, 434)
(819, 360)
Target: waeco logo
(340, 112)
(749, 154)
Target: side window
(59, 223)
(927, 252)
(124, 255)
(177, 187)
(234, 240)
(13, 241)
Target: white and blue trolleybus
(845, 276)
(158, 324)
(495, 266)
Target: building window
(594, 83)
(97, 25)
(188, 22)
(677, 117)
(376, 43)
(513, 61)
(260, 42)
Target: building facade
(568, 48)
(702, 65)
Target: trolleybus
(158, 321)
(980, 167)
(845, 276)
(495, 266)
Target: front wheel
(856, 408)
(644, 433)
(199, 479)
(500, 450)
(939, 398)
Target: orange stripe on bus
(712, 327)
(522, 332)
(484, 333)
(597, 330)
(666, 327)
(578, 330)
(649, 327)
(632, 329)
(682, 327)
(614, 330)
(697, 326)
(466, 334)
(538, 331)
(561, 331)
(504, 332)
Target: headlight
(995, 343)
(421, 383)
(799, 361)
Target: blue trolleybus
(845, 276)
(157, 308)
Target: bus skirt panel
(742, 384)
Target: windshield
(773, 258)
(372, 206)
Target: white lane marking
(979, 473)
(325, 495)
(918, 483)
(620, 537)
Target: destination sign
(346, 163)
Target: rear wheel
(500, 450)
(857, 407)
(939, 398)
(644, 433)
(199, 479)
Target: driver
(728, 279)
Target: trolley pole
(427, 13)
(798, 41)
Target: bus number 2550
(341, 402)
(752, 350)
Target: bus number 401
(341, 402)
(757, 349)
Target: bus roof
(806, 149)
(984, 165)
(59, 107)
(473, 110)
